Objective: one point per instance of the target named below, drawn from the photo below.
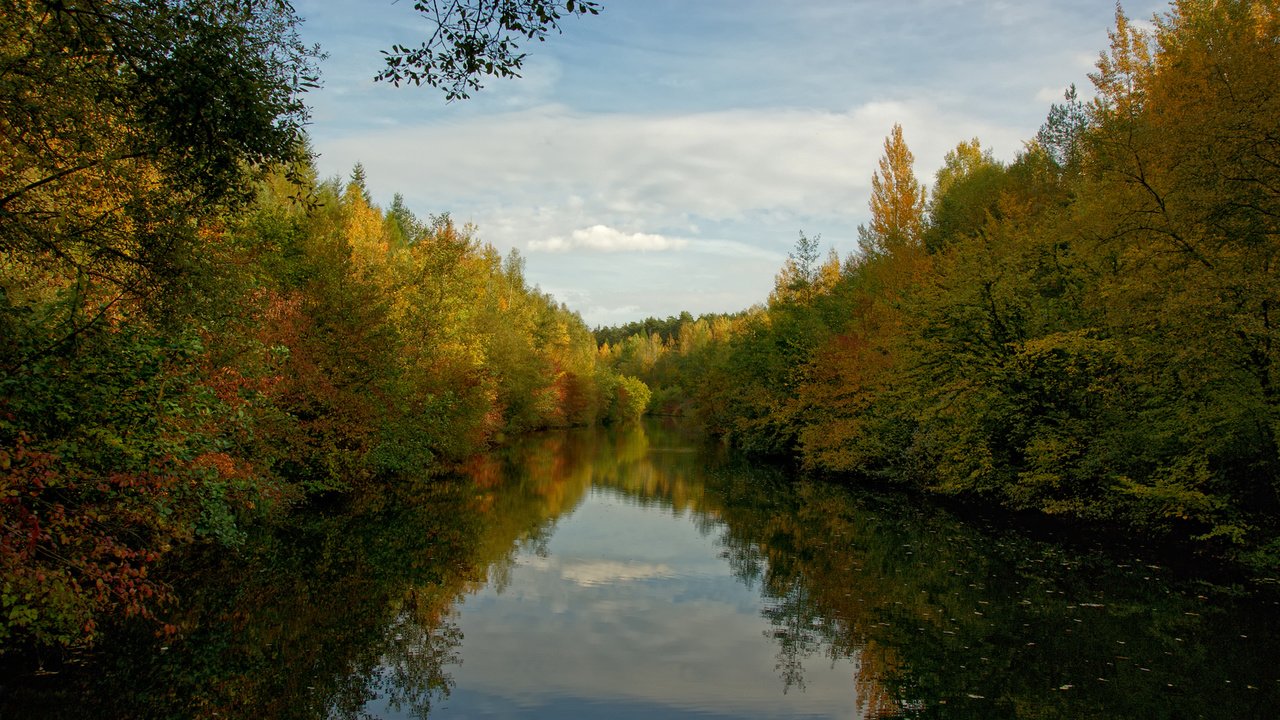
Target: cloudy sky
(666, 154)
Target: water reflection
(638, 573)
(871, 608)
(343, 606)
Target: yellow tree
(897, 201)
(843, 405)
(965, 159)
(127, 129)
(1184, 208)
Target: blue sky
(665, 155)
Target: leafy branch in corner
(476, 38)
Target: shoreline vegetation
(1086, 333)
(197, 333)
(348, 348)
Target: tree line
(197, 333)
(1086, 331)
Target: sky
(665, 155)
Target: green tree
(800, 272)
(1062, 134)
(129, 133)
(630, 399)
(966, 191)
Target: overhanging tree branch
(476, 38)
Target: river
(639, 573)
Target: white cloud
(720, 135)
(663, 172)
(591, 573)
(603, 238)
(739, 250)
(727, 189)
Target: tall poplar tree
(897, 201)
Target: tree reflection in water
(354, 603)
(939, 615)
(311, 620)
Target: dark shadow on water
(312, 619)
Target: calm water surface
(635, 573)
(628, 608)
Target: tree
(475, 38)
(403, 226)
(174, 110)
(966, 191)
(800, 271)
(359, 181)
(1183, 204)
(1061, 134)
(897, 201)
(630, 400)
(967, 158)
(129, 132)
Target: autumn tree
(183, 348)
(1087, 331)
(897, 201)
(843, 407)
(128, 133)
(1184, 209)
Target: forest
(198, 333)
(1084, 332)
